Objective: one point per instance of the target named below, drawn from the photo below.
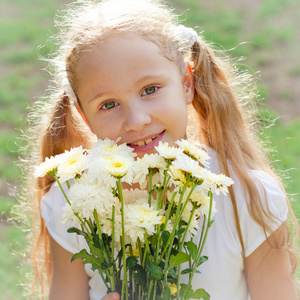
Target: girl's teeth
(143, 143)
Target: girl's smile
(128, 89)
(146, 144)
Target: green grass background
(25, 25)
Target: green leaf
(187, 271)
(165, 236)
(172, 273)
(153, 239)
(202, 260)
(201, 294)
(155, 271)
(166, 292)
(140, 276)
(77, 231)
(180, 231)
(183, 288)
(87, 258)
(131, 261)
(210, 223)
(178, 259)
(192, 249)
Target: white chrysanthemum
(208, 178)
(177, 176)
(154, 161)
(72, 164)
(48, 166)
(194, 151)
(215, 182)
(68, 216)
(199, 197)
(118, 166)
(143, 216)
(135, 196)
(186, 216)
(106, 224)
(205, 205)
(185, 163)
(140, 172)
(109, 148)
(177, 196)
(144, 165)
(85, 198)
(167, 151)
(203, 202)
(170, 226)
(222, 183)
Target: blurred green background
(265, 32)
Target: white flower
(48, 166)
(185, 163)
(108, 148)
(177, 176)
(178, 195)
(85, 198)
(168, 152)
(154, 161)
(222, 183)
(72, 164)
(135, 196)
(203, 201)
(118, 166)
(144, 165)
(194, 151)
(215, 182)
(140, 217)
(68, 216)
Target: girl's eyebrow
(139, 81)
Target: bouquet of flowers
(139, 215)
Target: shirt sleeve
(51, 210)
(274, 200)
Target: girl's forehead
(119, 47)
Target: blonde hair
(222, 97)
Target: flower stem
(200, 247)
(150, 188)
(124, 283)
(59, 184)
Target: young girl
(128, 69)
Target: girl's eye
(149, 90)
(109, 105)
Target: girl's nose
(137, 118)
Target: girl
(128, 69)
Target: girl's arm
(269, 273)
(69, 280)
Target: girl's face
(128, 89)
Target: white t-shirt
(222, 276)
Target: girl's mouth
(145, 145)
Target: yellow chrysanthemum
(173, 288)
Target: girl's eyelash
(149, 90)
(152, 89)
(109, 105)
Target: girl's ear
(188, 84)
(79, 110)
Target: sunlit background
(266, 33)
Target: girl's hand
(111, 296)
